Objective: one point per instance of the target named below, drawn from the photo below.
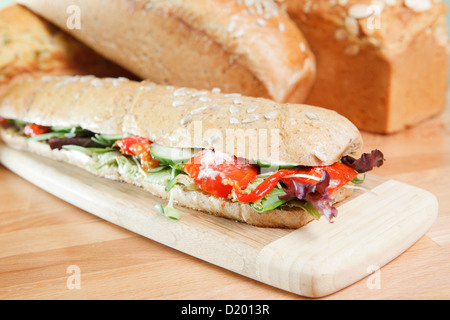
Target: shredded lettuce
(169, 211)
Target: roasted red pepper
(340, 174)
(32, 130)
(216, 173)
(3, 121)
(138, 146)
(229, 176)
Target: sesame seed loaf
(380, 63)
(250, 128)
(250, 47)
(31, 45)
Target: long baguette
(121, 106)
(238, 46)
(186, 118)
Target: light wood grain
(42, 235)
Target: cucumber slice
(171, 155)
(279, 165)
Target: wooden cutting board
(372, 228)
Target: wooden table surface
(44, 242)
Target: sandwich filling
(263, 186)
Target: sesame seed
(213, 139)
(251, 119)
(96, 83)
(231, 26)
(204, 99)
(232, 95)
(186, 120)
(198, 94)
(312, 116)
(271, 115)
(177, 103)
(252, 109)
(261, 22)
(233, 109)
(180, 92)
(198, 110)
(302, 47)
(238, 33)
(319, 155)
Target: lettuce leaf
(315, 195)
(366, 162)
(271, 201)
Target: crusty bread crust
(31, 45)
(198, 200)
(238, 46)
(250, 128)
(365, 62)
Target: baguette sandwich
(247, 159)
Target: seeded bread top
(251, 128)
(388, 25)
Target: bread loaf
(381, 64)
(31, 45)
(239, 46)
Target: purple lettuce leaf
(315, 194)
(58, 143)
(366, 162)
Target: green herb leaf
(107, 140)
(169, 211)
(88, 151)
(270, 202)
(171, 184)
(47, 136)
(357, 180)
